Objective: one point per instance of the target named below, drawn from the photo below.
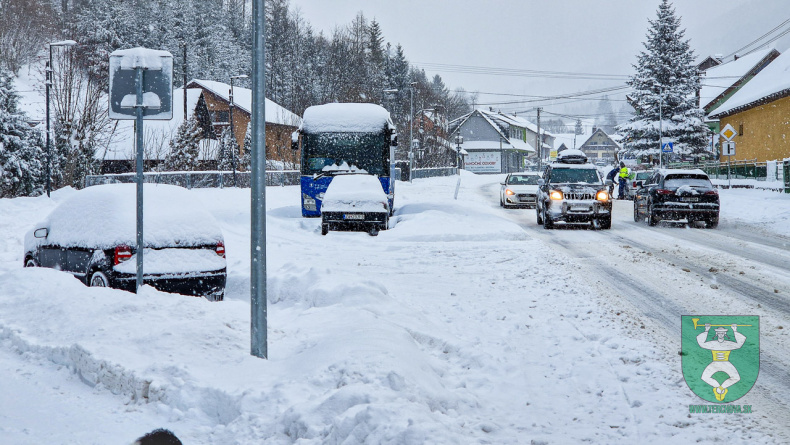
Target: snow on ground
(454, 326)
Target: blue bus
(341, 139)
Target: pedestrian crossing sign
(667, 147)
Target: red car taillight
(221, 249)
(634, 184)
(711, 192)
(664, 192)
(122, 253)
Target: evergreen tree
(665, 87)
(578, 129)
(185, 147)
(21, 147)
(227, 153)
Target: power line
(494, 71)
(758, 39)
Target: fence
(751, 169)
(200, 179)
(422, 173)
(220, 179)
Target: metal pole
(539, 144)
(138, 83)
(660, 127)
(258, 184)
(232, 135)
(411, 131)
(48, 82)
(185, 79)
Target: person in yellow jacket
(623, 180)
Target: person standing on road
(623, 179)
(611, 176)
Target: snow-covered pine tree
(245, 159)
(578, 129)
(227, 153)
(21, 147)
(666, 82)
(185, 147)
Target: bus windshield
(326, 152)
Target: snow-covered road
(653, 275)
(465, 323)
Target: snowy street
(463, 323)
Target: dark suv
(677, 194)
(573, 191)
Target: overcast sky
(578, 36)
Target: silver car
(519, 190)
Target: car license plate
(354, 216)
(580, 207)
(686, 199)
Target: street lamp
(411, 129)
(459, 140)
(48, 83)
(232, 131)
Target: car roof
(105, 216)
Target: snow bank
(105, 216)
(346, 118)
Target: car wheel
(637, 216)
(652, 220)
(501, 201)
(374, 231)
(99, 279)
(712, 223)
(30, 262)
(547, 222)
(324, 229)
(605, 223)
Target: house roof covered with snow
(242, 99)
(722, 79)
(770, 84)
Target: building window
(220, 117)
(740, 129)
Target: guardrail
(422, 173)
(198, 179)
(743, 169)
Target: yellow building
(760, 113)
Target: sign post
(728, 148)
(141, 87)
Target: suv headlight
(556, 195)
(602, 196)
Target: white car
(93, 235)
(355, 202)
(519, 190)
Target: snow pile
(105, 216)
(362, 193)
(773, 79)
(346, 118)
(149, 59)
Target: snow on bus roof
(346, 118)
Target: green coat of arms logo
(720, 355)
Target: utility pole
(184, 44)
(539, 144)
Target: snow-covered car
(573, 191)
(678, 194)
(519, 190)
(355, 202)
(93, 235)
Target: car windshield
(642, 176)
(676, 181)
(523, 180)
(575, 176)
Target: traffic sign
(728, 148)
(728, 132)
(667, 147)
(157, 69)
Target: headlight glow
(602, 196)
(509, 192)
(556, 195)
